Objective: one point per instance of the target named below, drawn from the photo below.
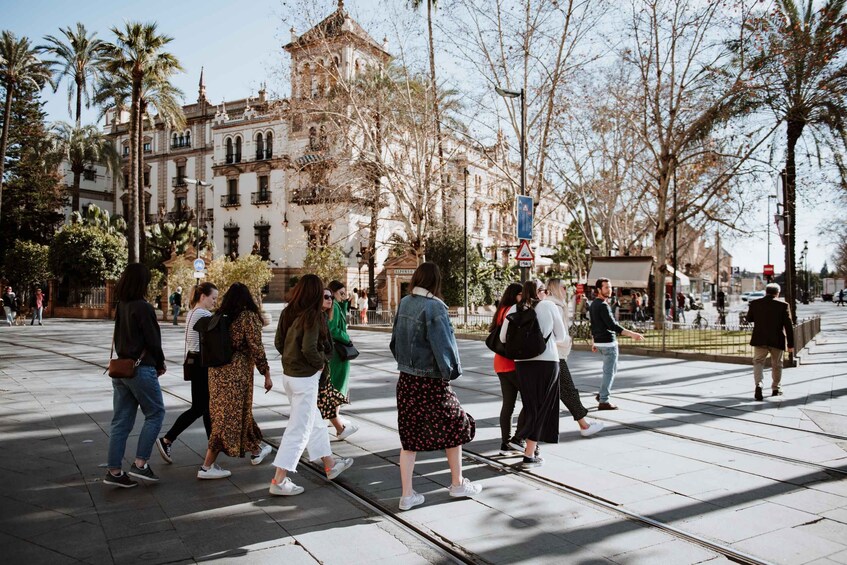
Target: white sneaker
(264, 452)
(592, 429)
(409, 502)
(213, 472)
(466, 489)
(349, 429)
(285, 488)
(341, 465)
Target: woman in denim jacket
(428, 413)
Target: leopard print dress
(234, 431)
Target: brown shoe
(606, 406)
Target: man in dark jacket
(772, 329)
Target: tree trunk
(4, 139)
(445, 205)
(142, 208)
(75, 188)
(795, 130)
(132, 222)
(80, 84)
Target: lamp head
(507, 93)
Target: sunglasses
(327, 297)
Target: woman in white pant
(302, 338)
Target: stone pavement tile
(410, 558)
(674, 552)
(486, 521)
(840, 557)
(210, 536)
(16, 550)
(160, 547)
(533, 546)
(671, 508)
(133, 522)
(315, 507)
(82, 541)
(613, 537)
(664, 466)
(288, 553)
(632, 493)
(809, 500)
(731, 525)
(788, 546)
(357, 541)
(833, 486)
(26, 521)
(839, 515)
(711, 480)
(827, 529)
(589, 479)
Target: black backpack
(215, 340)
(524, 339)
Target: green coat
(339, 371)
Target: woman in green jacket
(339, 370)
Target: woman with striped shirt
(202, 301)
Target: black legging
(510, 390)
(568, 393)
(199, 407)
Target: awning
(626, 272)
(683, 280)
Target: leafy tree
(166, 238)
(249, 270)
(327, 262)
(101, 219)
(87, 256)
(81, 147)
(446, 248)
(571, 252)
(27, 264)
(34, 195)
(20, 68)
(824, 270)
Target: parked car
(755, 295)
(745, 296)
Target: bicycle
(700, 321)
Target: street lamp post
(770, 197)
(519, 94)
(198, 184)
(465, 245)
(806, 270)
(359, 262)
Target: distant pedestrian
(10, 305)
(841, 294)
(37, 305)
(137, 336)
(300, 338)
(363, 307)
(568, 393)
(538, 377)
(202, 301)
(604, 332)
(354, 306)
(339, 369)
(680, 306)
(234, 430)
(176, 302)
(668, 305)
(508, 376)
(429, 414)
(772, 329)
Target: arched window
(260, 146)
(269, 144)
(238, 149)
(182, 140)
(229, 153)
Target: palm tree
(138, 52)
(801, 63)
(19, 66)
(80, 57)
(82, 146)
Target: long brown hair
(509, 299)
(530, 295)
(306, 300)
(427, 276)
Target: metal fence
(805, 331)
(85, 297)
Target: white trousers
(306, 429)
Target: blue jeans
(36, 315)
(610, 367)
(128, 394)
(176, 313)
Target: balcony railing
(229, 200)
(261, 197)
(177, 182)
(180, 145)
(263, 154)
(230, 159)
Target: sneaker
(531, 462)
(517, 444)
(213, 472)
(506, 449)
(466, 489)
(597, 397)
(341, 465)
(145, 472)
(757, 394)
(349, 430)
(165, 450)
(285, 488)
(264, 452)
(592, 429)
(606, 406)
(776, 392)
(121, 480)
(409, 502)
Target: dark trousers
(199, 407)
(568, 393)
(509, 388)
(540, 397)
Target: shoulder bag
(121, 368)
(346, 351)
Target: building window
(264, 185)
(126, 150)
(269, 145)
(148, 147)
(237, 149)
(260, 147)
(231, 240)
(180, 175)
(180, 204)
(146, 178)
(263, 239)
(232, 191)
(230, 156)
(89, 174)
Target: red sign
(768, 271)
(580, 288)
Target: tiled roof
(333, 26)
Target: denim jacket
(422, 340)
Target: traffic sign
(525, 213)
(524, 252)
(768, 271)
(199, 264)
(199, 275)
(525, 264)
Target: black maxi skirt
(539, 385)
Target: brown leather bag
(121, 368)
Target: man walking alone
(772, 328)
(604, 332)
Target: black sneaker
(122, 480)
(758, 393)
(506, 449)
(517, 444)
(165, 450)
(776, 392)
(531, 462)
(146, 473)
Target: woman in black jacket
(137, 337)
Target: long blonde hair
(556, 288)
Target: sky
(239, 47)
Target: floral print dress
(234, 431)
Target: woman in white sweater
(568, 393)
(538, 377)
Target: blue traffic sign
(525, 212)
(199, 264)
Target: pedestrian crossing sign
(525, 251)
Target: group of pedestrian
(13, 306)
(222, 394)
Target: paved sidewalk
(661, 456)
